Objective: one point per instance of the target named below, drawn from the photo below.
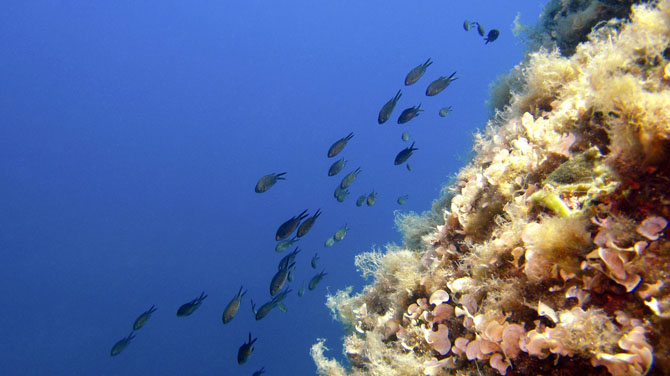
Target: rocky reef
(547, 255)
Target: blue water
(132, 135)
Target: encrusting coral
(549, 255)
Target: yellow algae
(551, 244)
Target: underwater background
(131, 138)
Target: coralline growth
(547, 255)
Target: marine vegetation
(550, 252)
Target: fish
(301, 292)
(267, 307)
(336, 167)
(409, 168)
(480, 29)
(142, 319)
(316, 279)
(267, 181)
(279, 279)
(340, 194)
(415, 74)
(245, 350)
(263, 310)
(349, 178)
(121, 344)
(187, 309)
(232, 307)
(405, 136)
(402, 199)
(289, 226)
(371, 198)
(259, 372)
(329, 242)
(307, 225)
(404, 154)
(340, 233)
(387, 109)
(315, 258)
(409, 114)
(440, 84)
(492, 35)
(281, 296)
(290, 275)
(360, 200)
(337, 147)
(466, 25)
(288, 259)
(444, 111)
(285, 244)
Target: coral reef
(548, 254)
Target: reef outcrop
(550, 253)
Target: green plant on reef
(548, 254)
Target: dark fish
(349, 178)
(337, 147)
(232, 307)
(259, 372)
(409, 168)
(316, 279)
(402, 199)
(405, 136)
(492, 35)
(307, 225)
(387, 109)
(290, 275)
(360, 200)
(279, 279)
(267, 181)
(315, 259)
(466, 25)
(409, 114)
(289, 226)
(267, 307)
(404, 155)
(340, 194)
(371, 198)
(301, 292)
(444, 111)
(340, 233)
(480, 29)
(121, 344)
(190, 307)
(263, 310)
(285, 244)
(245, 350)
(438, 85)
(142, 319)
(336, 167)
(288, 259)
(416, 73)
